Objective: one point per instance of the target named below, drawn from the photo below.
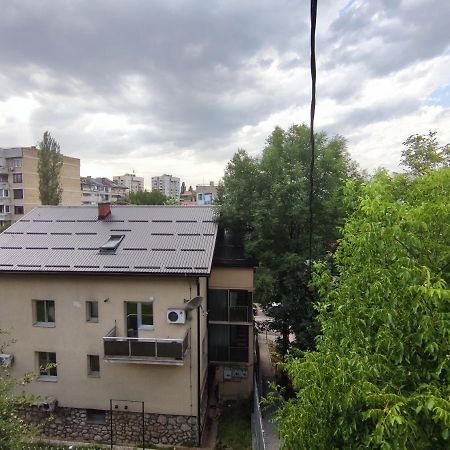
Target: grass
(235, 427)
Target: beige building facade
(19, 182)
(132, 342)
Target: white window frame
(47, 377)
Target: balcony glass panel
(218, 304)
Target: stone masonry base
(72, 424)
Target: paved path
(268, 374)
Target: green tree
(379, 378)
(423, 153)
(13, 430)
(266, 199)
(49, 169)
(148, 198)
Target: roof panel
(157, 239)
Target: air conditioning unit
(48, 405)
(6, 360)
(176, 316)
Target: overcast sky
(177, 86)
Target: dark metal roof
(157, 240)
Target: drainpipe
(199, 431)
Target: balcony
(144, 350)
(229, 354)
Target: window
(17, 162)
(228, 343)
(93, 366)
(200, 196)
(18, 193)
(7, 208)
(44, 313)
(4, 193)
(229, 305)
(139, 316)
(47, 366)
(3, 178)
(97, 416)
(112, 243)
(18, 209)
(92, 311)
(17, 178)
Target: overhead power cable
(311, 126)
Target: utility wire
(311, 127)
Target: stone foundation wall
(72, 424)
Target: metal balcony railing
(229, 354)
(145, 350)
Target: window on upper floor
(93, 362)
(139, 316)
(229, 305)
(3, 178)
(17, 178)
(16, 162)
(18, 209)
(47, 366)
(4, 193)
(44, 313)
(91, 311)
(18, 194)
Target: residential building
(167, 185)
(187, 198)
(118, 298)
(19, 182)
(130, 181)
(206, 194)
(98, 190)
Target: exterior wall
(130, 181)
(70, 179)
(72, 424)
(236, 387)
(164, 389)
(167, 185)
(231, 277)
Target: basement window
(112, 243)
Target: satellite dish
(193, 303)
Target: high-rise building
(167, 185)
(130, 181)
(101, 189)
(19, 182)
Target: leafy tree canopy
(423, 153)
(266, 199)
(148, 198)
(380, 376)
(50, 162)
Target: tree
(49, 169)
(423, 153)
(183, 187)
(266, 200)
(148, 198)
(13, 430)
(379, 376)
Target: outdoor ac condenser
(176, 316)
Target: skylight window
(112, 243)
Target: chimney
(211, 183)
(104, 210)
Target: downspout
(199, 430)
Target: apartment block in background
(130, 181)
(19, 182)
(101, 189)
(167, 185)
(206, 194)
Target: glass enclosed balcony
(145, 350)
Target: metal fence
(257, 425)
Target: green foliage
(49, 169)
(234, 432)
(13, 430)
(379, 378)
(149, 198)
(423, 153)
(266, 199)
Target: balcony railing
(231, 314)
(145, 350)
